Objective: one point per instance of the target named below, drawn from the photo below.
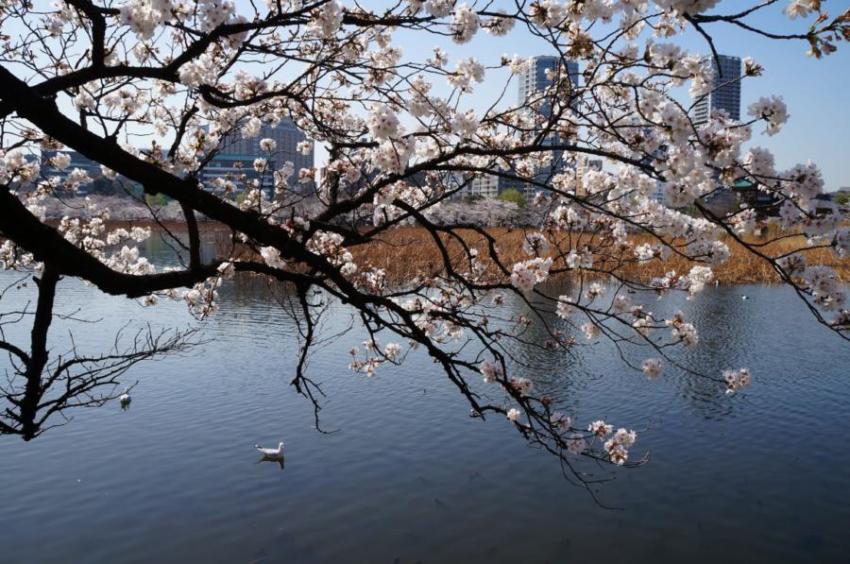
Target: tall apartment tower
(236, 156)
(286, 135)
(727, 93)
(534, 78)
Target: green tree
(513, 195)
(157, 200)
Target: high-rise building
(237, 169)
(535, 79)
(236, 155)
(285, 134)
(537, 76)
(485, 186)
(726, 95)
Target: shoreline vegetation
(408, 252)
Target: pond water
(408, 476)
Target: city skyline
(235, 156)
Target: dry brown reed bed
(408, 252)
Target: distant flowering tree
(181, 76)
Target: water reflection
(278, 460)
(168, 248)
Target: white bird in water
(745, 297)
(125, 399)
(271, 453)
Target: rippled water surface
(759, 476)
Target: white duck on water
(271, 453)
(125, 399)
